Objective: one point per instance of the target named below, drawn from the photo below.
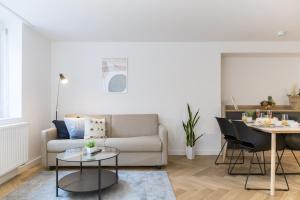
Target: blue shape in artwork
(117, 83)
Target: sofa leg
(158, 167)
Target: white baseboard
(20, 169)
(182, 152)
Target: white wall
(162, 77)
(250, 78)
(36, 86)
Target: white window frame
(12, 77)
(3, 75)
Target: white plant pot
(89, 150)
(190, 152)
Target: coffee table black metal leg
(117, 170)
(99, 179)
(56, 177)
(81, 167)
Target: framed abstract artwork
(114, 74)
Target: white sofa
(140, 138)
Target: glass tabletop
(80, 155)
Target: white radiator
(13, 146)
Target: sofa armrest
(46, 136)
(163, 134)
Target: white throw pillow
(94, 128)
(75, 127)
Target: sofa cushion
(136, 144)
(132, 144)
(62, 145)
(134, 125)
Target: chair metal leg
(288, 173)
(268, 163)
(230, 169)
(264, 161)
(295, 158)
(231, 157)
(286, 182)
(241, 173)
(224, 154)
(249, 171)
(277, 189)
(259, 164)
(280, 158)
(225, 163)
(243, 156)
(216, 161)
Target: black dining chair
(292, 142)
(253, 142)
(229, 134)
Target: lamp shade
(63, 79)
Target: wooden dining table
(274, 131)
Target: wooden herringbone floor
(200, 179)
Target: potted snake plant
(190, 135)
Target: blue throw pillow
(75, 127)
(62, 131)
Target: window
(4, 108)
(10, 77)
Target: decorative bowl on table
(268, 104)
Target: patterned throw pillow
(94, 128)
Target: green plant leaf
(198, 138)
(184, 126)
(195, 123)
(90, 143)
(194, 118)
(189, 112)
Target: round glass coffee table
(87, 180)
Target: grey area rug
(133, 185)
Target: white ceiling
(161, 20)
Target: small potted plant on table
(190, 136)
(90, 146)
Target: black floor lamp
(62, 80)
